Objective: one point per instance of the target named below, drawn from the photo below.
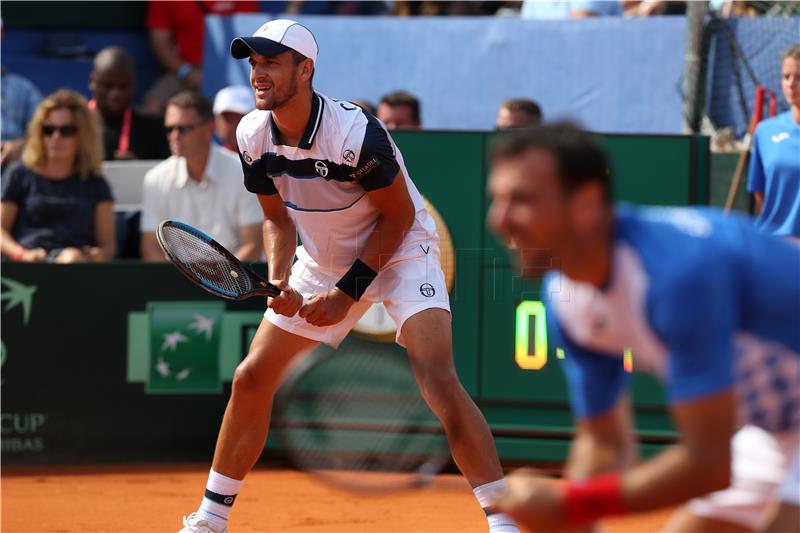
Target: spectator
(400, 110)
(127, 132)
(565, 9)
(433, 8)
(201, 184)
(774, 177)
(230, 105)
(176, 35)
(518, 113)
(644, 8)
(55, 204)
(19, 100)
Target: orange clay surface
(132, 499)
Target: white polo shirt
(217, 205)
(344, 153)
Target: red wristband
(586, 501)
(18, 254)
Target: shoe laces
(197, 523)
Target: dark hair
(527, 106)
(579, 159)
(193, 100)
(403, 98)
(793, 52)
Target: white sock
(218, 501)
(498, 522)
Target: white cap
(236, 98)
(274, 37)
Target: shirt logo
(247, 157)
(365, 169)
(427, 290)
(322, 170)
(348, 156)
(782, 136)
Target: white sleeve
(153, 203)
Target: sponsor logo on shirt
(365, 169)
(322, 169)
(348, 156)
(427, 290)
(247, 157)
(782, 136)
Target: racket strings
(206, 262)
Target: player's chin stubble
(276, 101)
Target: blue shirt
(20, 98)
(704, 302)
(775, 171)
(562, 9)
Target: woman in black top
(55, 204)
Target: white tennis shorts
(411, 282)
(765, 468)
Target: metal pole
(694, 71)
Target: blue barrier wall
(613, 75)
(23, 53)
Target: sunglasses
(183, 130)
(65, 131)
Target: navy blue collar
(310, 133)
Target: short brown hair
(196, 101)
(89, 156)
(403, 98)
(579, 158)
(526, 106)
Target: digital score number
(530, 346)
(530, 340)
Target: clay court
(133, 499)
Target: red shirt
(185, 21)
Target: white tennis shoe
(195, 524)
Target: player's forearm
(385, 238)
(280, 244)
(678, 474)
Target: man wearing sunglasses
(200, 184)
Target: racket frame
(267, 288)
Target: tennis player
(329, 171)
(708, 304)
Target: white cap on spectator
(236, 98)
(274, 37)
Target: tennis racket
(355, 419)
(208, 264)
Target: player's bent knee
(247, 381)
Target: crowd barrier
(92, 370)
